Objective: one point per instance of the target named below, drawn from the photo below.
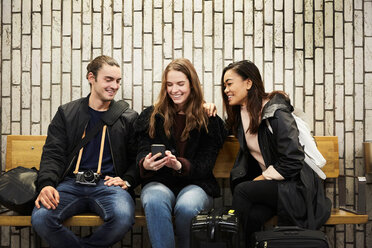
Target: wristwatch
(128, 184)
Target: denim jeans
(113, 204)
(159, 203)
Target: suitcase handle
(287, 228)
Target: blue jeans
(113, 204)
(159, 202)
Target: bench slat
(12, 219)
(339, 216)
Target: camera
(87, 177)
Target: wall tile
(137, 30)
(56, 28)
(288, 16)
(329, 92)
(218, 30)
(198, 30)
(328, 54)
(368, 53)
(319, 102)
(228, 11)
(288, 50)
(238, 27)
(248, 17)
(319, 66)
(268, 45)
(16, 70)
(26, 90)
(16, 103)
(269, 13)
(278, 29)
(349, 112)
(147, 16)
(187, 16)
(46, 46)
(299, 32)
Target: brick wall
(318, 51)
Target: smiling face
(105, 85)
(178, 88)
(236, 88)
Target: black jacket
(66, 130)
(200, 154)
(301, 199)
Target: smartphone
(156, 148)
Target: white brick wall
(319, 51)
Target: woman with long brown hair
(182, 181)
(269, 176)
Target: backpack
(313, 157)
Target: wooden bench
(25, 150)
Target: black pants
(255, 202)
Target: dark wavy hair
(256, 94)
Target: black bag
(217, 228)
(290, 237)
(18, 189)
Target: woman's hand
(172, 161)
(210, 109)
(150, 162)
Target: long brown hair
(193, 108)
(256, 94)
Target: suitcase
(290, 237)
(217, 228)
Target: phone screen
(158, 148)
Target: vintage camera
(87, 177)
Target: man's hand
(210, 109)
(116, 181)
(49, 197)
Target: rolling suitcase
(217, 228)
(290, 237)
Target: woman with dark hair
(181, 182)
(269, 176)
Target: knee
(41, 218)
(190, 208)
(187, 210)
(239, 190)
(157, 196)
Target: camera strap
(87, 139)
(115, 111)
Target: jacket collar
(116, 109)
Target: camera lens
(89, 176)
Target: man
(98, 176)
